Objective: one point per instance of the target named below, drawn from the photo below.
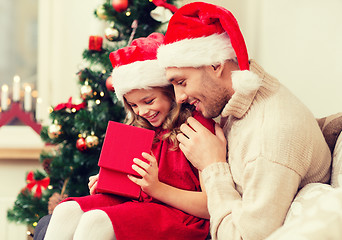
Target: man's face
(199, 87)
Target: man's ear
(218, 69)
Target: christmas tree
(77, 130)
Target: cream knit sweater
(275, 147)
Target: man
(270, 145)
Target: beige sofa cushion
(336, 174)
(315, 214)
(331, 127)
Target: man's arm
(268, 187)
(268, 193)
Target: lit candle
(39, 110)
(4, 96)
(16, 88)
(28, 99)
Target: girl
(172, 205)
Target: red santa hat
(136, 66)
(202, 34)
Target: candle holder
(16, 111)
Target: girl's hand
(149, 173)
(93, 184)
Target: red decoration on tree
(95, 43)
(70, 105)
(120, 5)
(46, 165)
(163, 3)
(81, 144)
(79, 74)
(31, 182)
(109, 84)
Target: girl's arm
(192, 202)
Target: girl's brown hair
(177, 115)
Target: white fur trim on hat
(138, 75)
(196, 52)
(245, 81)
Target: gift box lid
(122, 143)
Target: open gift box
(122, 143)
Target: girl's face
(151, 104)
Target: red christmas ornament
(79, 74)
(95, 43)
(81, 144)
(120, 5)
(109, 84)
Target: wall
(64, 30)
(14, 165)
(301, 43)
(18, 54)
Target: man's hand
(200, 146)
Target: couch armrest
(331, 127)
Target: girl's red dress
(149, 218)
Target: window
(18, 45)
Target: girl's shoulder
(206, 122)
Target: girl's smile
(151, 104)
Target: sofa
(316, 212)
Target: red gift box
(122, 143)
(95, 43)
